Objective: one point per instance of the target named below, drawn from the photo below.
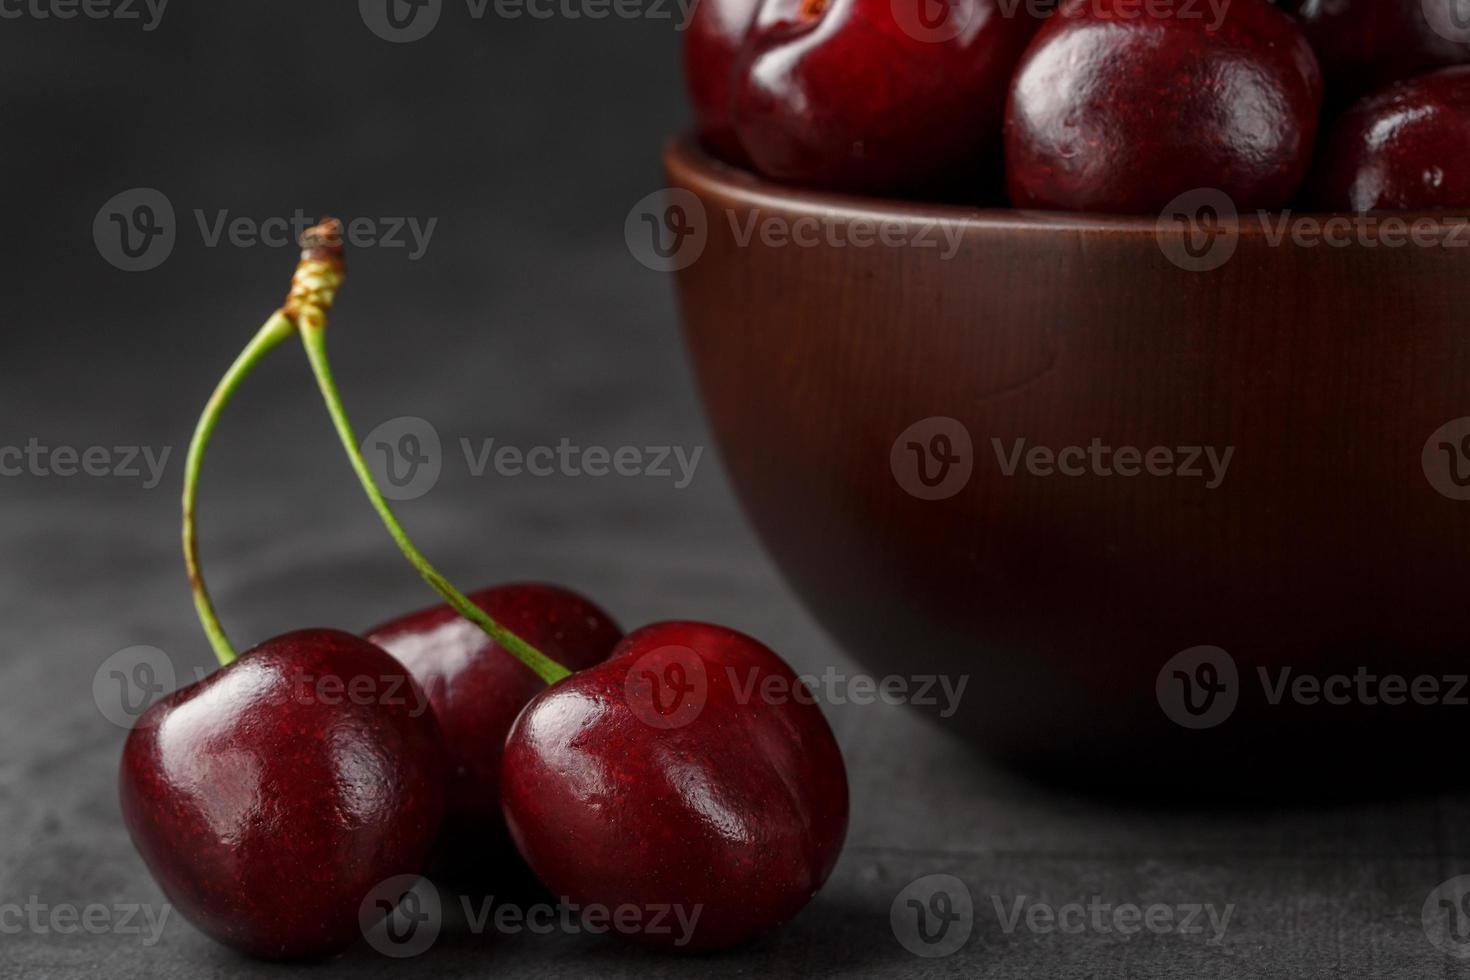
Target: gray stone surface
(91, 568)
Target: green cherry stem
(277, 329)
(311, 298)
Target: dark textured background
(527, 320)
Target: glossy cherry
(862, 95)
(1115, 111)
(477, 689)
(687, 771)
(1404, 149)
(712, 43)
(272, 797)
(1366, 44)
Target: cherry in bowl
(1366, 44)
(1406, 148)
(872, 96)
(1115, 110)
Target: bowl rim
(687, 164)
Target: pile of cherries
(273, 799)
(1113, 106)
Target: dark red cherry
(875, 95)
(477, 689)
(272, 797)
(1366, 44)
(690, 771)
(711, 43)
(1404, 149)
(1114, 110)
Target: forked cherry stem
(313, 289)
(277, 329)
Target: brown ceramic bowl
(1335, 545)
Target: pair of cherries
(272, 799)
(1101, 105)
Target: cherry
(1366, 44)
(690, 771)
(1406, 148)
(272, 797)
(711, 43)
(859, 95)
(477, 689)
(1117, 111)
(729, 801)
